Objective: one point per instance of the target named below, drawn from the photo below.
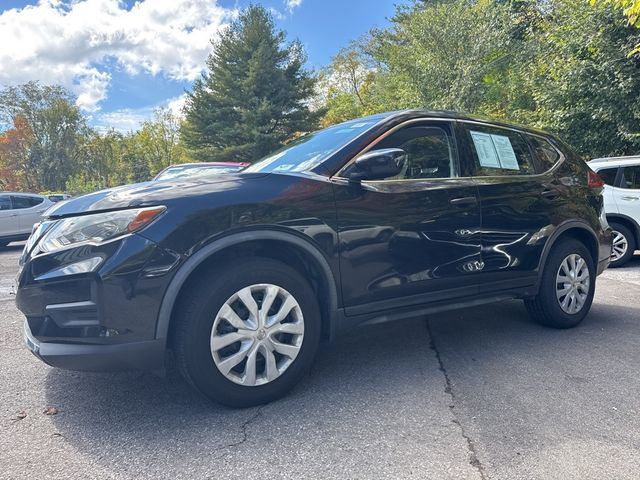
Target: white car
(18, 213)
(622, 203)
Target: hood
(148, 194)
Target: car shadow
(373, 373)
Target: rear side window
(546, 155)
(5, 202)
(608, 175)
(497, 151)
(26, 202)
(631, 177)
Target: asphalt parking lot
(481, 393)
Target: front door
(413, 238)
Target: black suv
(242, 275)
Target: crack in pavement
(243, 430)
(474, 461)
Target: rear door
(8, 217)
(628, 195)
(413, 238)
(29, 209)
(518, 204)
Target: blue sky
(123, 59)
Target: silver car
(18, 213)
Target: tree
(586, 87)
(55, 122)
(15, 144)
(254, 95)
(347, 87)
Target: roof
(449, 114)
(2, 192)
(617, 160)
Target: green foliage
(253, 96)
(585, 85)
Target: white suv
(622, 203)
(18, 213)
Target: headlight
(96, 228)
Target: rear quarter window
(546, 154)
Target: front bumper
(146, 355)
(101, 319)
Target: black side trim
(181, 276)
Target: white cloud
(292, 4)
(71, 41)
(130, 119)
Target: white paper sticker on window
(485, 149)
(495, 151)
(506, 155)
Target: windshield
(310, 150)
(184, 171)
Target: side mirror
(377, 165)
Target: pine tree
(253, 96)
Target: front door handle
(463, 201)
(630, 198)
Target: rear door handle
(549, 193)
(462, 201)
(630, 198)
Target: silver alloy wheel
(257, 334)
(620, 245)
(572, 283)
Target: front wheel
(567, 286)
(247, 332)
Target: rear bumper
(144, 355)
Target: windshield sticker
(485, 149)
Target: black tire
(631, 244)
(545, 307)
(196, 314)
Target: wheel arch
(201, 261)
(571, 229)
(628, 221)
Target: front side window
(26, 202)
(5, 202)
(631, 177)
(608, 175)
(429, 149)
(499, 152)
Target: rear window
(608, 175)
(499, 152)
(631, 177)
(26, 202)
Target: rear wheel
(248, 332)
(624, 245)
(567, 286)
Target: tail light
(594, 180)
